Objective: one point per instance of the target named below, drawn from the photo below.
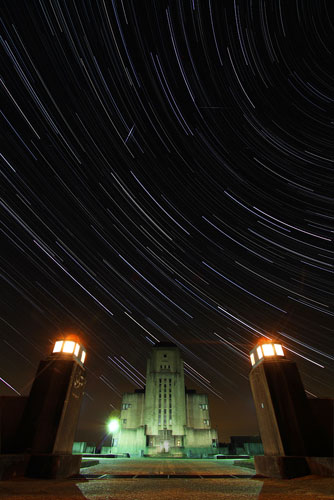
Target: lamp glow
(279, 350)
(76, 350)
(252, 358)
(268, 350)
(68, 346)
(58, 345)
(113, 425)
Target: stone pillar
(282, 411)
(52, 411)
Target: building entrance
(166, 441)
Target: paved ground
(234, 483)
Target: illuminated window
(268, 350)
(58, 346)
(206, 422)
(83, 356)
(124, 420)
(279, 350)
(252, 358)
(68, 346)
(259, 352)
(76, 350)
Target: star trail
(167, 175)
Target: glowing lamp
(113, 425)
(70, 347)
(266, 350)
(58, 346)
(252, 358)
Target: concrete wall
(11, 414)
(195, 414)
(199, 438)
(134, 415)
(322, 412)
(131, 441)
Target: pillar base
(321, 466)
(53, 466)
(281, 467)
(13, 466)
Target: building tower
(165, 418)
(165, 409)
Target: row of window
(165, 417)
(203, 406)
(125, 406)
(164, 367)
(205, 421)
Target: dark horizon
(167, 176)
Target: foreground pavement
(167, 479)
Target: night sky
(167, 175)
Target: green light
(113, 425)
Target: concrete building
(165, 418)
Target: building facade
(165, 418)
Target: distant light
(259, 352)
(252, 358)
(76, 350)
(113, 425)
(69, 346)
(268, 350)
(83, 357)
(279, 350)
(58, 346)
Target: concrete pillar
(282, 410)
(52, 411)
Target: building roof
(164, 345)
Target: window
(125, 406)
(203, 406)
(124, 420)
(165, 355)
(206, 421)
